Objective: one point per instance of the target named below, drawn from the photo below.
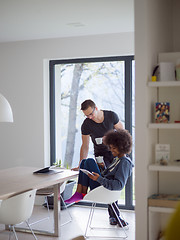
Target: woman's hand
(102, 165)
(94, 176)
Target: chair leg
(90, 218)
(66, 210)
(14, 232)
(119, 221)
(31, 230)
(92, 214)
(10, 231)
(38, 221)
(30, 224)
(121, 215)
(90, 221)
(46, 197)
(127, 227)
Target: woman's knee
(82, 163)
(86, 161)
(90, 162)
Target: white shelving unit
(165, 133)
(155, 215)
(168, 168)
(164, 84)
(164, 125)
(161, 210)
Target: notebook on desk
(47, 170)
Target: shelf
(164, 84)
(161, 168)
(161, 210)
(164, 125)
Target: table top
(18, 179)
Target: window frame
(128, 110)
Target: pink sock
(75, 198)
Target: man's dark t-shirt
(98, 130)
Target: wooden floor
(77, 226)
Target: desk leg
(56, 211)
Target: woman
(114, 177)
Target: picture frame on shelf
(162, 112)
(162, 152)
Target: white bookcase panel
(168, 177)
(164, 125)
(164, 84)
(168, 168)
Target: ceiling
(41, 19)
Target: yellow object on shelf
(154, 78)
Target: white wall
(24, 80)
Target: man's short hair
(87, 103)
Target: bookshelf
(161, 210)
(156, 31)
(164, 84)
(166, 133)
(168, 168)
(164, 125)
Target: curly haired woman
(114, 177)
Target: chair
(105, 196)
(49, 192)
(17, 209)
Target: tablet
(86, 171)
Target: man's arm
(84, 147)
(83, 150)
(118, 126)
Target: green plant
(67, 166)
(58, 163)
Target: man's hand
(94, 176)
(75, 169)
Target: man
(96, 125)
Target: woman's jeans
(90, 165)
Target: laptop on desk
(47, 170)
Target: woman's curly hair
(121, 139)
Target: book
(162, 154)
(162, 112)
(164, 200)
(86, 171)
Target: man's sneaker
(112, 221)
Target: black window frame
(128, 110)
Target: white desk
(19, 179)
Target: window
(109, 82)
